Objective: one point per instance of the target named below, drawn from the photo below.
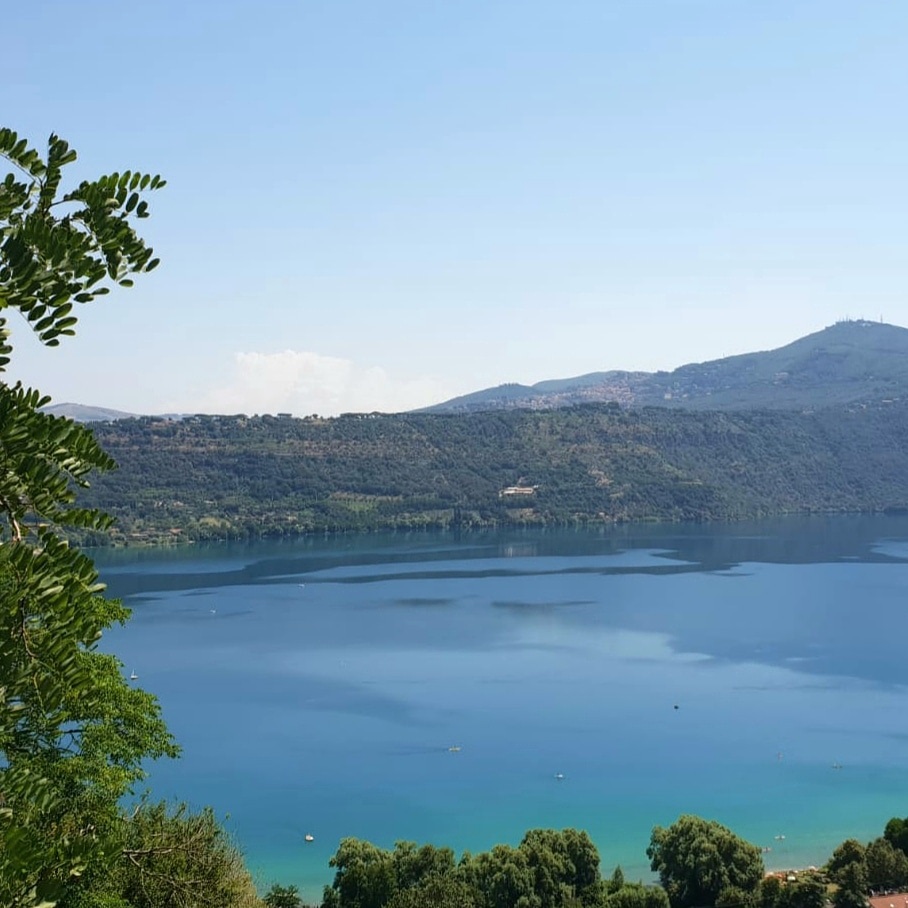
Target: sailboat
(133, 676)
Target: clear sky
(380, 204)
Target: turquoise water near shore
(317, 685)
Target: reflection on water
(797, 540)
(432, 688)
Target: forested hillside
(238, 476)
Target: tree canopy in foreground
(73, 732)
(700, 860)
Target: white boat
(309, 837)
(133, 677)
(559, 776)
(454, 749)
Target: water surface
(608, 680)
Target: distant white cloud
(302, 383)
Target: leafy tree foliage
(770, 892)
(885, 865)
(616, 880)
(858, 869)
(850, 852)
(896, 832)
(170, 858)
(434, 891)
(413, 863)
(808, 891)
(636, 895)
(734, 897)
(698, 859)
(548, 869)
(852, 888)
(502, 877)
(283, 897)
(565, 864)
(60, 249)
(364, 877)
(73, 733)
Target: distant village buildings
(518, 491)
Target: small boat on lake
(454, 749)
(308, 837)
(133, 677)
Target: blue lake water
(754, 674)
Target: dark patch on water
(523, 605)
(424, 601)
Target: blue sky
(378, 204)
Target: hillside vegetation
(238, 476)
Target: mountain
(817, 426)
(849, 362)
(83, 413)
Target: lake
(605, 679)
